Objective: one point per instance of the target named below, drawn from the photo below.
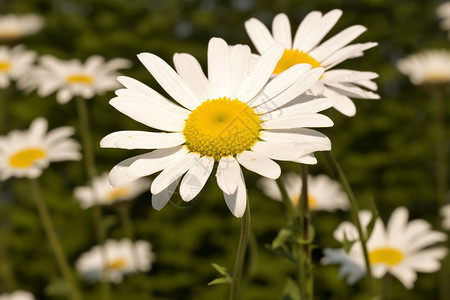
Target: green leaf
(347, 244)
(227, 275)
(375, 216)
(220, 281)
(283, 235)
(290, 291)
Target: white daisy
(306, 48)
(323, 192)
(430, 67)
(73, 78)
(122, 258)
(233, 117)
(103, 193)
(443, 11)
(401, 249)
(14, 63)
(16, 26)
(26, 153)
(445, 213)
(17, 295)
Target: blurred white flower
(17, 295)
(26, 153)
(445, 212)
(14, 63)
(431, 67)
(103, 193)
(443, 11)
(401, 249)
(16, 26)
(122, 258)
(73, 78)
(306, 47)
(323, 192)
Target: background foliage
(386, 149)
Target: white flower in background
(122, 258)
(445, 212)
(26, 153)
(16, 26)
(430, 67)
(17, 295)
(73, 78)
(306, 47)
(401, 249)
(443, 11)
(233, 117)
(14, 63)
(103, 193)
(323, 192)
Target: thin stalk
(290, 210)
(240, 256)
(337, 170)
(5, 265)
(54, 242)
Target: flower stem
(240, 257)
(8, 282)
(337, 170)
(54, 241)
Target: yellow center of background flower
(389, 256)
(80, 78)
(312, 202)
(117, 193)
(292, 57)
(26, 158)
(221, 127)
(116, 264)
(437, 77)
(9, 34)
(5, 66)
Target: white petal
(160, 200)
(219, 68)
(240, 59)
(192, 74)
(300, 120)
(281, 29)
(259, 35)
(343, 103)
(305, 28)
(238, 201)
(228, 174)
(299, 135)
(286, 151)
(347, 52)
(118, 175)
(195, 178)
(259, 164)
(142, 140)
(307, 107)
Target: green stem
(5, 265)
(54, 241)
(334, 164)
(289, 206)
(240, 256)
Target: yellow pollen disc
(389, 256)
(437, 77)
(26, 158)
(5, 66)
(117, 193)
(116, 264)
(9, 34)
(292, 57)
(311, 201)
(221, 127)
(80, 78)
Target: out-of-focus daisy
(73, 78)
(26, 153)
(445, 212)
(443, 11)
(122, 258)
(323, 192)
(103, 193)
(233, 117)
(401, 249)
(16, 26)
(17, 295)
(14, 63)
(306, 47)
(428, 68)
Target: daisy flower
(340, 84)
(323, 192)
(232, 117)
(122, 258)
(103, 193)
(443, 11)
(401, 249)
(14, 63)
(26, 153)
(445, 213)
(16, 26)
(430, 67)
(73, 78)
(17, 295)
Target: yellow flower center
(389, 256)
(80, 79)
(26, 158)
(292, 57)
(9, 34)
(221, 127)
(5, 66)
(311, 201)
(117, 264)
(117, 193)
(437, 77)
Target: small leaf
(347, 244)
(283, 235)
(222, 270)
(290, 291)
(371, 225)
(220, 281)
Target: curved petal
(237, 201)
(281, 29)
(195, 178)
(228, 174)
(259, 164)
(192, 74)
(160, 200)
(219, 68)
(259, 35)
(142, 140)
